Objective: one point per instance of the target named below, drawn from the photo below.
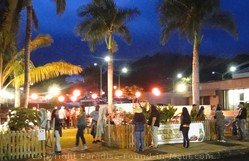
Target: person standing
(194, 111)
(154, 120)
(101, 123)
(49, 116)
(68, 118)
(94, 115)
(57, 130)
(184, 127)
(219, 124)
(73, 116)
(139, 121)
(62, 116)
(241, 117)
(81, 125)
(200, 115)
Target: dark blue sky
(145, 31)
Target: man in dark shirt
(154, 120)
(242, 120)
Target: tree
(188, 17)
(130, 92)
(31, 17)
(9, 15)
(102, 20)
(13, 71)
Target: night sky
(145, 31)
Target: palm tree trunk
(1, 74)
(1, 70)
(27, 54)
(110, 75)
(195, 72)
(17, 96)
(110, 83)
(110, 87)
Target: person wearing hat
(139, 121)
(241, 117)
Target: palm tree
(13, 72)
(9, 15)
(31, 16)
(102, 20)
(188, 17)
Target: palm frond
(42, 40)
(189, 16)
(3, 12)
(125, 33)
(34, 19)
(126, 14)
(223, 20)
(103, 19)
(166, 30)
(48, 71)
(60, 6)
(9, 69)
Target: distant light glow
(124, 70)
(179, 75)
(94, 96)
(61, 98)
(114, 87)
(107, 58)
(118, 93)
(233, 68)
(73, 98)
(34, 96)
(76, 93)
(156, 91)
(54, 90)
(138, 94)
(7, 94)
(49, 96)
(182, 87)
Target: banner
(170, 133)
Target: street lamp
(76, 93)
(179, 75)
(221, 74)
(123, 70)
(61, 98)
(138, 94)
(34, 96)
(181, 87)
(107, 59)
(156, 91)
(231, 69)
(54, 90)
(118, 93)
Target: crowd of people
(76, 117)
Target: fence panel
(20, 145)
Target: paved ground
(197, 151)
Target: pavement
(209, 150)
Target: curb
(218, 155)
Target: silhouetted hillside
(161, 69)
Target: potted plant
(166, 113)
